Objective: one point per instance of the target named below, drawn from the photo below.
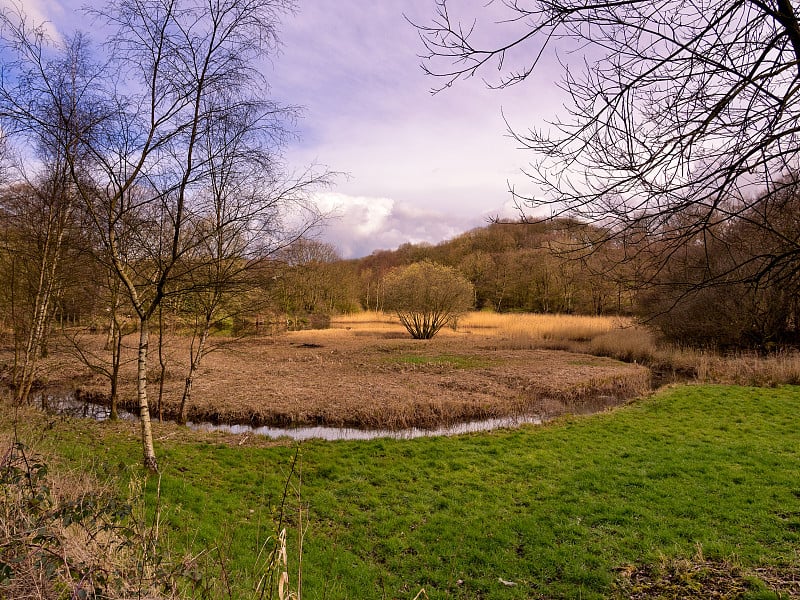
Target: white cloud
(40, 12)
(367, 216)
(361, 224)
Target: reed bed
(750, 369)
(369, 323)
(526, 327)
(615, 337)
(512, 330)
(365, 317)
(631, 344)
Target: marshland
(618, 343)
(366, 372)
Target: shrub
(427, 296)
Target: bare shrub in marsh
(427, 296)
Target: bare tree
(173, 67)
(42, 208)
(427, 296)
(679, 115)
(249, 210)
(310, 280)
(39, 219)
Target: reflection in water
(66, 403)
(69, 404)
(350, 433)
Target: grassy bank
(568, 510)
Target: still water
(68, 403)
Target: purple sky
(418, 167)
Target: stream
(69, 404)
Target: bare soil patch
(704, 579)
(364, 379)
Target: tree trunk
(141, 391)
(116, 353)
(41, 312)
(161, 362)
(194, 364)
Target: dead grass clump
(750, 369)
(65, 534)
(701, 579)
(68, 537)
(629, 344)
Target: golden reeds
(524, 330)
(616, 337)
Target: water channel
(69, 403)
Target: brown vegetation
(67, 535)
(700, 578)
(373, 377)
(365, 372)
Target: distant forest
(547, 267)
(690, 297)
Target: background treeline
(734, 284)
(531, 267)
(707, 294)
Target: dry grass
(370, 323)
(373, 377)
(701, 579)
(525, 329)
(367, 372)
(67, 535)
(750, 369)
(615, 337)
(366, 317)
(511, 330)
(631, 344)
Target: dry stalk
(275, 570)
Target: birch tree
(249, 210)
(41, 208)
(170, 67)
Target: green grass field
(557, 510)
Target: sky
(412, 166)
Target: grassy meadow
(691, 492)
(702, 475)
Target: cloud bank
(359, 225)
